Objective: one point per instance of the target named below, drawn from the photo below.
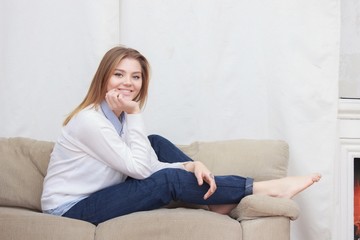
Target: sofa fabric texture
(24, 163)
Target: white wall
(221, 70)
(350, 49)
(49, 51)
(247, 69)
(203, 88)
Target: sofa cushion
(26, 224)
(164, 224)
(257, 206)
(23, 164)
(260, 159)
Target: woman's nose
(127, 81)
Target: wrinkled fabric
(247, 69)
(220, 70)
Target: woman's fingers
(199, 177)
(202, 173)
(118, 103)
(209, 178)
(113, 99)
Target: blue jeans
(158, 190)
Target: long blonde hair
(97, 90)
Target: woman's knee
(159, 143)
(157, 140)
(154, 138)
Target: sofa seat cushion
(18, 223)
(164, 224)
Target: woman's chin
(127, 98)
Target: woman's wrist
(189, 166)
(128, 111)
(134, 111)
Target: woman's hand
(119, 104)
(202, 173)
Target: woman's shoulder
(89, 122)
(90, 111)
(88, 117)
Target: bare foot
(224, 209)
(286, 187)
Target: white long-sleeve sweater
(90, 155)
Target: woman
(103, 165)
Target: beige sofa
(23, 164)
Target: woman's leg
(154, 192)
(167, 151)
(286, 187)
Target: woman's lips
(125, 92)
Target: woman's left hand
(202, 173)
(118, 103)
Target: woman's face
(126, 79)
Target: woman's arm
(98, 138)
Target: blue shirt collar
(117, 122)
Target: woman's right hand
(119, 104)
(202, 173)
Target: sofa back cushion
(24, 162)
(23, 165)
(260, 159)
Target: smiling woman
(130, 172)
(127, 79)
(111, 68)
(124, 86)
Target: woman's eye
(137, 77)
(118, 74)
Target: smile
(125, 90)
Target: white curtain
(220, 70)
(49, 51)
(247, 69)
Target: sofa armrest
(256, 206)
